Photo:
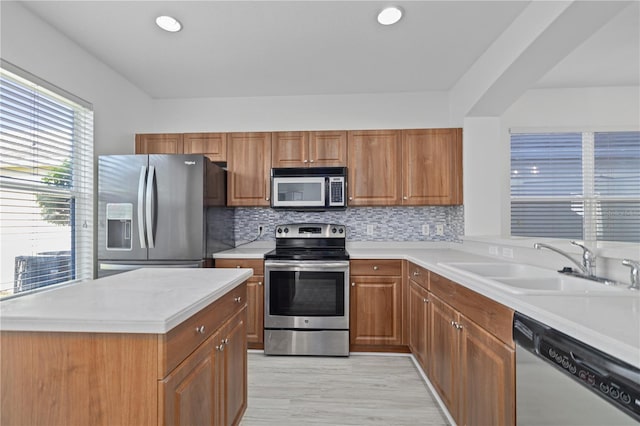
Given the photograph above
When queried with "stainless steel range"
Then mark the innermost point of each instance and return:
(307, 291)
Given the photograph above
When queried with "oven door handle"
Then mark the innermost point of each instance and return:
(317, 266)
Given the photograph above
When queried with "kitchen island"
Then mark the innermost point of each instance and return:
(147, 347)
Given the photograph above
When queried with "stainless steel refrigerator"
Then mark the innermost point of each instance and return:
(160, 211)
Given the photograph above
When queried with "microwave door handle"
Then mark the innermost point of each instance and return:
(150, 205)
(140, 208)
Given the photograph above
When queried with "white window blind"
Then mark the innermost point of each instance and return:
(576, 185)
(46, 184)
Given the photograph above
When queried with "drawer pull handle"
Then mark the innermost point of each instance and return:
(220, 348)
(237, 299)
(225, 341)
(416, 273)
(375, 268)
(200, 330)
(425, 300)
(237, 266)
(453, 323)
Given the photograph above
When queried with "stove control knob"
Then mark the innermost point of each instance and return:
(334, 230)
(286, 230)
(341, 231)
(279, 230)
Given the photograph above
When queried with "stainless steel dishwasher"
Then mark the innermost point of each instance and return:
(561, 381)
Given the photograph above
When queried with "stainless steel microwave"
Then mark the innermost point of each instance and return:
(314, 188)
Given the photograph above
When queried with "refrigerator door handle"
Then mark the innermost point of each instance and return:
(150, 204)
(140, 207)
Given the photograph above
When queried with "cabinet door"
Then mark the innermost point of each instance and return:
(249, 167)
(328, 149)
(189, 392)
(374, 159)
(255, 312)
(487, 379)
(290, 149)
(376, 310)
(418, 323)
(232, 358)
(432, 166)
(166, 143)
(443, 351)
(213, 145)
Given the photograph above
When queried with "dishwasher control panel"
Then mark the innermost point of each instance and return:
(612, 379)
(609, 384)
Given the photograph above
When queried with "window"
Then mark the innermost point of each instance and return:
(46, 184)
(582, 186)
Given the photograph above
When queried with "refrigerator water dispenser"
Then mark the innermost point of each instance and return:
(119, 220)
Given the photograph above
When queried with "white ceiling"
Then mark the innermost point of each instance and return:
(265, 48)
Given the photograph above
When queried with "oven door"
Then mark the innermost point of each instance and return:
(306, 295)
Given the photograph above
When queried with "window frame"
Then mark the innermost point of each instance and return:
(80, 192)
(589, 197)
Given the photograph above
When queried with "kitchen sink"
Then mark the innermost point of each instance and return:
(518, 278)
(502, 269)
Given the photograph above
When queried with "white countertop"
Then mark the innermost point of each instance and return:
(153, 300)
(608, 323)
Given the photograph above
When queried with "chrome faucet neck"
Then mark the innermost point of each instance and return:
(635, 273)
(587, 267)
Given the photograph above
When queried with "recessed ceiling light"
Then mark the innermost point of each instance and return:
(390, 15)
(169, 23)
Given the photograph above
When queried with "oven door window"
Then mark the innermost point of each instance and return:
(306, 294)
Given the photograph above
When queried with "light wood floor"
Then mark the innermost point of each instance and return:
(359, 390)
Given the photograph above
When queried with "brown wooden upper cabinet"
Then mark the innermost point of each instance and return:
(249, 168)
(374, 164)
(162, 143)
(432, 167)
(309, 149)
(405, 167)
(213, 145)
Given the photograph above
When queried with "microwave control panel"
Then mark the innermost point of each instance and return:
(336, 191)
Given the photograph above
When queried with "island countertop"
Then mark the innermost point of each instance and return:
(152, 300)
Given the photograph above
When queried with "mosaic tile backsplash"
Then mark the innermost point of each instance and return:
(386, 223)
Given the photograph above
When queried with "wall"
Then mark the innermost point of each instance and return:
(336, 112)
(486, 149)
(120, 108)
(389, 223)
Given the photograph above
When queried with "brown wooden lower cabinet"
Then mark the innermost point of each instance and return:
(472, 370)
(418, 319)
(376, 303)
(178, 378)
(255, 298)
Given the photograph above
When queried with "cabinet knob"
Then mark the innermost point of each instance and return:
(416, 273)
(453, 323)
(237, 266)
(305, 161)
(267, 198)
(237, 299)
(311, 161)
(350, 198)
(425, 300)
(404, 198)
(353, 284)
(200, 330)
(259, 282)
(375, 267)
(225, 341)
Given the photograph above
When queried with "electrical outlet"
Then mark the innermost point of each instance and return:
(507, 252)
(370, 229)
(440, 229)
(493, 250)
(425, 229)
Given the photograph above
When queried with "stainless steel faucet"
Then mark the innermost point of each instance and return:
(588, 265)
(635, 273)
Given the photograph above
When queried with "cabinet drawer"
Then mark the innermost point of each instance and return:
(376, 267)
(418, 274)
(256, 264)
(186, 337)
(497, 319)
